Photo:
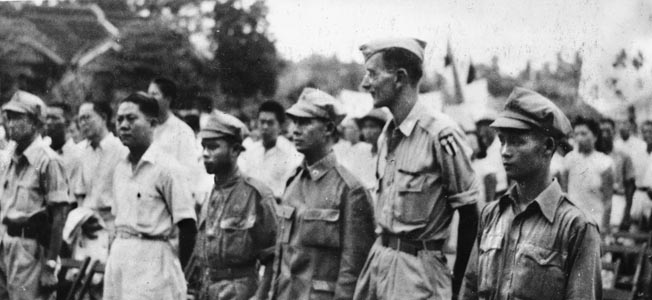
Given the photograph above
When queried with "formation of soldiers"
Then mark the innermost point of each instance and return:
(274, 219)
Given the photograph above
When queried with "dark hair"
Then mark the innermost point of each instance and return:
(275, 108)
(65, 107)
(396, 58)
(103, 108)
(146, 104)
(591, 124)
(608, 121)
(167, 87)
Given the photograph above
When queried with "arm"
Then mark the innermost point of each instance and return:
(187, 239)
(584, 278)
(490, 187)
(265, 240)
(469, 288)
(357, 236)
(467, 232)
(607, 193)
(630, 188)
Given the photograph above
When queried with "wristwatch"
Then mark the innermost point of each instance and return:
(51, 263)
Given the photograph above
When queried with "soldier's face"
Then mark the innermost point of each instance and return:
(524, 153)
(380, 82)
(134, 128)
(218, 155)
(20, 127)
(310, 134)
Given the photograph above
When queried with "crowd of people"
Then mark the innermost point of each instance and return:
(330, 207)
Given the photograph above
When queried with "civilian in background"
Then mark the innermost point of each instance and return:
(273, 158)
(588, 174)
(57, 119)
(624, 175)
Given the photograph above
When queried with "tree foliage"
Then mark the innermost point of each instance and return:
(246, 58)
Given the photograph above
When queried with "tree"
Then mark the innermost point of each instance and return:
(246, 59)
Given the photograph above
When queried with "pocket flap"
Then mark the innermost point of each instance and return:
(285, 211)
(491, 241)
(238, 223)
(323, 286)
(329, 215)
(543, 256)
(410, 181)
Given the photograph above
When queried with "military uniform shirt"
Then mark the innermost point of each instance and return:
(424, 174)
(237, 225)
(33, 179)
(153, 197)
(551, 250)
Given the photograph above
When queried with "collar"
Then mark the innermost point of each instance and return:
(547, 201)
(417, 113)
(234, 178)
(150, 156)
(320, 168)
(31, 152)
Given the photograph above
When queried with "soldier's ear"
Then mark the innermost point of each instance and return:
(402, 77)
(550, 145)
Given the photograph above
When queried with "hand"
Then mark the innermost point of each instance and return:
(48, 278)
(90, 228)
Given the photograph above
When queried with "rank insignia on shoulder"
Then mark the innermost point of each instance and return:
(448, 143)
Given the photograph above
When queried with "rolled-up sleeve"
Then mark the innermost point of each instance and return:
(56, 182)
(458, 174)
(178, 196)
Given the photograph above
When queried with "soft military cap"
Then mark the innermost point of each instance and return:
(314, 103)
(26, 103)
(528, 110)
(220, 125)
(413, 45)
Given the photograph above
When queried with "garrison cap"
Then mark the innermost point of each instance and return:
(314, 103)
(26, 103)
(413, 45)
(221, 125)
(526, 109)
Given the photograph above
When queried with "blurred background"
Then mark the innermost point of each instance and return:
(591, 57)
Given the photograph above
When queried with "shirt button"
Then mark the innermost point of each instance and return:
(315, 172)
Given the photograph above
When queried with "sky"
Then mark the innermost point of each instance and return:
(514, 30)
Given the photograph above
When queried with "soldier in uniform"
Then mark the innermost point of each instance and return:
(34, 202)
(533, 243)
(237, 225)
(151, 199)
(424, 173)
(325, 217)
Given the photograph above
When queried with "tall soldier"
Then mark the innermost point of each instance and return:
(325, 217)
(424, 175)
(34, 202)
(153, 206)
(533, 243)
(237, 223)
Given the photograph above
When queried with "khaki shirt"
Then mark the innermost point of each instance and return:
(424, 174)
(32, 180)
(237, 225)
(551, 250)
(153, 197)
(326, 230)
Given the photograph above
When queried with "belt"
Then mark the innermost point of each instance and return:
(232, 273)
(643, 189)
(137, 235)
(410, 246)
(20, 230)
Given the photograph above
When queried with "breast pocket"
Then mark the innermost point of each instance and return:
(150, 206)
(28, 198)
(236, 241)
(320, 228)
(489, 252)
(415, 201)
(285, 215)
(539, 273)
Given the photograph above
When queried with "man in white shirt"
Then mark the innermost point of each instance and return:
(642, 203)
(273, 158)
(57, 119)
(175, 137)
